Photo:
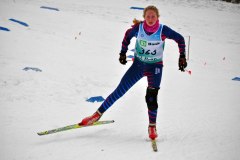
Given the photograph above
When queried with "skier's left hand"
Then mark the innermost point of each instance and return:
(182, 63)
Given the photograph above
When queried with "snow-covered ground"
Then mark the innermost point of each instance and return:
(77, 50)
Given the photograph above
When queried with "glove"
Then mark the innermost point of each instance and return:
(182, 63)
(122, 59)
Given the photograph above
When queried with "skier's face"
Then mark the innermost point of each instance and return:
(151, 17)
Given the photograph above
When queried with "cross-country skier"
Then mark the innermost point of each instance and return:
(148, 61)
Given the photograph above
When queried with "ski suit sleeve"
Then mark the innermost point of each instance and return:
(178, 38)
(130, 33)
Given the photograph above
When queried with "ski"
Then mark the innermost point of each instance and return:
(74, 126)
(154, 145)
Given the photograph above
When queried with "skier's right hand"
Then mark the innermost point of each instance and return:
(122, 59)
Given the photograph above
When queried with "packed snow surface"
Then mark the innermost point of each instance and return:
(72, 54)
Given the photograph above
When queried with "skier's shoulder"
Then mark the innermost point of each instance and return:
(169, 32)
(133, 30)
(165, 28)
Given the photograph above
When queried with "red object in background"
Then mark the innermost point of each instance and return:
(188, 71)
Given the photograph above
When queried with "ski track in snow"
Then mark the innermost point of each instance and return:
(77, 50)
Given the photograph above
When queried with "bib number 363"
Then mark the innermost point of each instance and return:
(147, 52)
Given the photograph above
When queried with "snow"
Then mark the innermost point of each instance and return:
(77, 50)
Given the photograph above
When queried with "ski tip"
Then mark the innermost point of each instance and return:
(42, 133)
(39, 134)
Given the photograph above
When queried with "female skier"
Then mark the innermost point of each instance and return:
(148, 62)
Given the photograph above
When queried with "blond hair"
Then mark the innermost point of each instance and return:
(136, 21)
(153, 8)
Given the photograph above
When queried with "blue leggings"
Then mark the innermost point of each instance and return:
(137, 71)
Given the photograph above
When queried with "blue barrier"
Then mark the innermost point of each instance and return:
(51, 8)
(4, 29)
(130, 56)
(32, 68)
(95, 99)
(133, 50)
(139, 8)
(236, 79)
(20, 22)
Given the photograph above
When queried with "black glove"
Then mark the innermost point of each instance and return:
(182, 63)
(122, 59)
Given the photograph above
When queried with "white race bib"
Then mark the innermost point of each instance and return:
(149, 48)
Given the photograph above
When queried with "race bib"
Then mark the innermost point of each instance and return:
(149, 48)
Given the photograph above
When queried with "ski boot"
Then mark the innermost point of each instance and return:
(91, 119)
(152, 131)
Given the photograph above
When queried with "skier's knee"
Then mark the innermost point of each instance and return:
(151, 98)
